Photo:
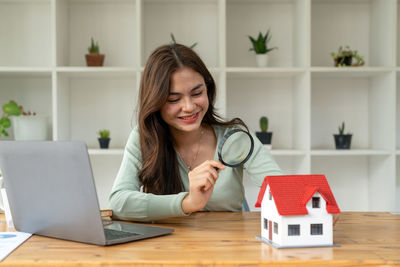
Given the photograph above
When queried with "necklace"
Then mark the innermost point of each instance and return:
(190, 164)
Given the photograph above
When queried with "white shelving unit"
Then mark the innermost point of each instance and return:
(42, 66)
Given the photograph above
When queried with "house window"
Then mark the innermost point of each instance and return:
(293, 229)
(315, 202)
(270, 195)
(265, 224)
(275, 228)
(316, 229)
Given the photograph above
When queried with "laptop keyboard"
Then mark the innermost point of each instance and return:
(115, 234)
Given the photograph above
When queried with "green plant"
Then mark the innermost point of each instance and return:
(344, 53)
(9, 109)
(94, 48)
(264, 124)
(341, 129)
(260, 46)
(174, 41)
(104, 133)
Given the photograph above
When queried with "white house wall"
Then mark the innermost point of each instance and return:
(315, 215)
(269, 211)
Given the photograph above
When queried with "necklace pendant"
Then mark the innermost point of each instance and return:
(197, 151)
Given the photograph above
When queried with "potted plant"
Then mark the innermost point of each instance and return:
(104, 139)
(260, 47)
(264, 136)
(174, 41)
(9, 109)
(344, 57)
(342, 141)
(29, 126)
(94, 58)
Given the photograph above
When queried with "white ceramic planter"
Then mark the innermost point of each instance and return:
(30, 127)
(262, 60)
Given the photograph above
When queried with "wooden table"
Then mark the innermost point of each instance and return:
(223, 239)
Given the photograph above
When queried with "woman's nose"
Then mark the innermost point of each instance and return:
(188, 104)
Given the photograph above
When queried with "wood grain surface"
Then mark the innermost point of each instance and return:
(223, 239)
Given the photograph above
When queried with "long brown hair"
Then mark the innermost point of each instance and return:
(159, 173)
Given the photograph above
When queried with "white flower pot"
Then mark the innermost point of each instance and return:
(262, 60)
(30, 127)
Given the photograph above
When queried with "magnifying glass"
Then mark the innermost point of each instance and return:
(235, 148)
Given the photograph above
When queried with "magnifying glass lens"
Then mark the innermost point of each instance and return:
(236, 149)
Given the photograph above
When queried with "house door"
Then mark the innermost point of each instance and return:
(270, 229)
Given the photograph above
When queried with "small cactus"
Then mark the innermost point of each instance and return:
(94, 48)
(264, 124)
(341, 129)
(104, 133)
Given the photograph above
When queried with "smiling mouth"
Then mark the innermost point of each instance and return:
(189, 117)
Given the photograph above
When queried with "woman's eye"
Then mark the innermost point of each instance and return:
(173, 100)
(197, 94)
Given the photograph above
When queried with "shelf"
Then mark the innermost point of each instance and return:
(349, 72)
(372, 20)
(284, 100)
(351, 152)
(285, 19)
(250, 72)
(334, 100)
(359, 183)
(105, 72)
(190, 22)
(106, 152)
(111, 23)
(287, 152)
(87, 104)
(42, 67)
(397, 111)
(25, 72)
(32, 90)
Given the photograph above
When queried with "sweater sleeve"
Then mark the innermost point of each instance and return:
(261, 163)
(126, 200)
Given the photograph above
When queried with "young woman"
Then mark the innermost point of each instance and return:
(170, 165)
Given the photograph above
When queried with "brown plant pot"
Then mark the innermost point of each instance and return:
(94, 60)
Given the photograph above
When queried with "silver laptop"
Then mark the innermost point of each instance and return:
(51, 192)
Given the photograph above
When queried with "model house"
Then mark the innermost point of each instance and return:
(296, 211)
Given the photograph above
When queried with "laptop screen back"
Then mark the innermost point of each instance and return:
(49, 190)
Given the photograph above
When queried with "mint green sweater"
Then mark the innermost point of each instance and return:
(128, 203)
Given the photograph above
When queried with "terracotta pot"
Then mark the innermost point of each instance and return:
(94, 60)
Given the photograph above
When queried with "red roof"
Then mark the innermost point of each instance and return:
(292, 192)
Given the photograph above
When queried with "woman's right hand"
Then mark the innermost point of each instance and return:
(201, 182)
